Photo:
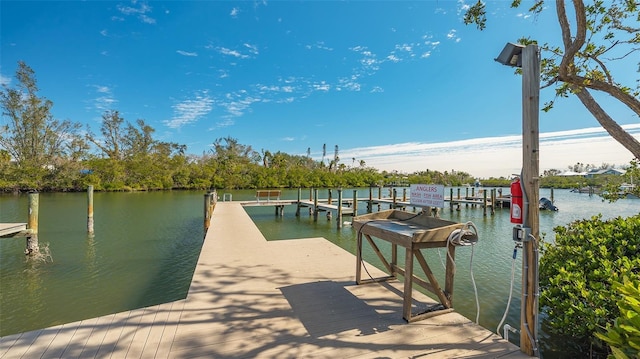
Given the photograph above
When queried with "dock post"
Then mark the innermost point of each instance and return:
(404, 195)
(311, 194)
(451, 199)
(379, 196)
(315, 205)
(90, 210)
(207, 200)
(395, 194)
(370, 204)
(339, 219)
(552, 200)
(493, 201)
(473, 194)
(299, 199)
(329, 199)
(355, 202)
(484, 203)
(32, 225)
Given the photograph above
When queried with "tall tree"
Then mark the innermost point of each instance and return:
(603, 33)
(29, 132)
(112, 132)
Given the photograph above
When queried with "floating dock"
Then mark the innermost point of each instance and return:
(252, 298)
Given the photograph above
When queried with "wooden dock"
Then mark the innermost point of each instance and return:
(11, 229)
(250, 298)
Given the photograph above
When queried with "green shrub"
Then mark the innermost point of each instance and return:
(577, 274)
(624, 334)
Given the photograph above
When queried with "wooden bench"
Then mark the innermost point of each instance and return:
(269, 195)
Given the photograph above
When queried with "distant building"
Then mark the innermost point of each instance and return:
(601, 172)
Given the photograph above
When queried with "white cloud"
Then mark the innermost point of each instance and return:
(139, 9)
(234, 12)
(498, 156)
(321, 86)
(452, 35)
(105, 100)
(146, 19)
(190, 110)
(237, 103)
(185, 53)
(393, 58)
(5, 80)
(319, 45)
(234, 53)
(252, 48)
(221, 124)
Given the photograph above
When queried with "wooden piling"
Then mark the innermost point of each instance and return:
(315, 205)
(207, 214)
(355, 202)
(484, 203)
(299, 200)
(451, 199)
(90, 210)
(493, 201)
(339, 219)
(394, 198)
(370, 204)
(210, 200)
(32, 225)
(552, 200)
(329, 200)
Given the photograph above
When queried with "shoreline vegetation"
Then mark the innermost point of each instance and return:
(41, 153)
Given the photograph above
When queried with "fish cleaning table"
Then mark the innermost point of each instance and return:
(413, 232)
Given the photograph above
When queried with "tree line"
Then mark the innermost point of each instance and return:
(40, 152)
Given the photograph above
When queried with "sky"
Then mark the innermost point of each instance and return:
(401, 85)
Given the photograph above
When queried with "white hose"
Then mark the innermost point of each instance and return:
(465, 237)
(513, 271)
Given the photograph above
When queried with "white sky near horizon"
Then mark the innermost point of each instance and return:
(500, 156)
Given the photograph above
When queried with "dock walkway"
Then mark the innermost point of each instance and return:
(250, 298)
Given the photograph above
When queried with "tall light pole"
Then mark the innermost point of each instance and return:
(528, 58)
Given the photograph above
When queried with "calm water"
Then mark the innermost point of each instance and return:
(143, 253)
(146, 246)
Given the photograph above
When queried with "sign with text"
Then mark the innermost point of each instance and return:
(431, 195)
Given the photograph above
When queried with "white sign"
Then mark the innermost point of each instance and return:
(431, 195)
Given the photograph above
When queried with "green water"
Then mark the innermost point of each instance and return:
(143, 253)
(146, 246)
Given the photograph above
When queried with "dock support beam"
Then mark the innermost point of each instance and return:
(32, 225)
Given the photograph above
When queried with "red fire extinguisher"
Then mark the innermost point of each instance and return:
(516, 202)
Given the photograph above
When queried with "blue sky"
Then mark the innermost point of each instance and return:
(402, 85)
